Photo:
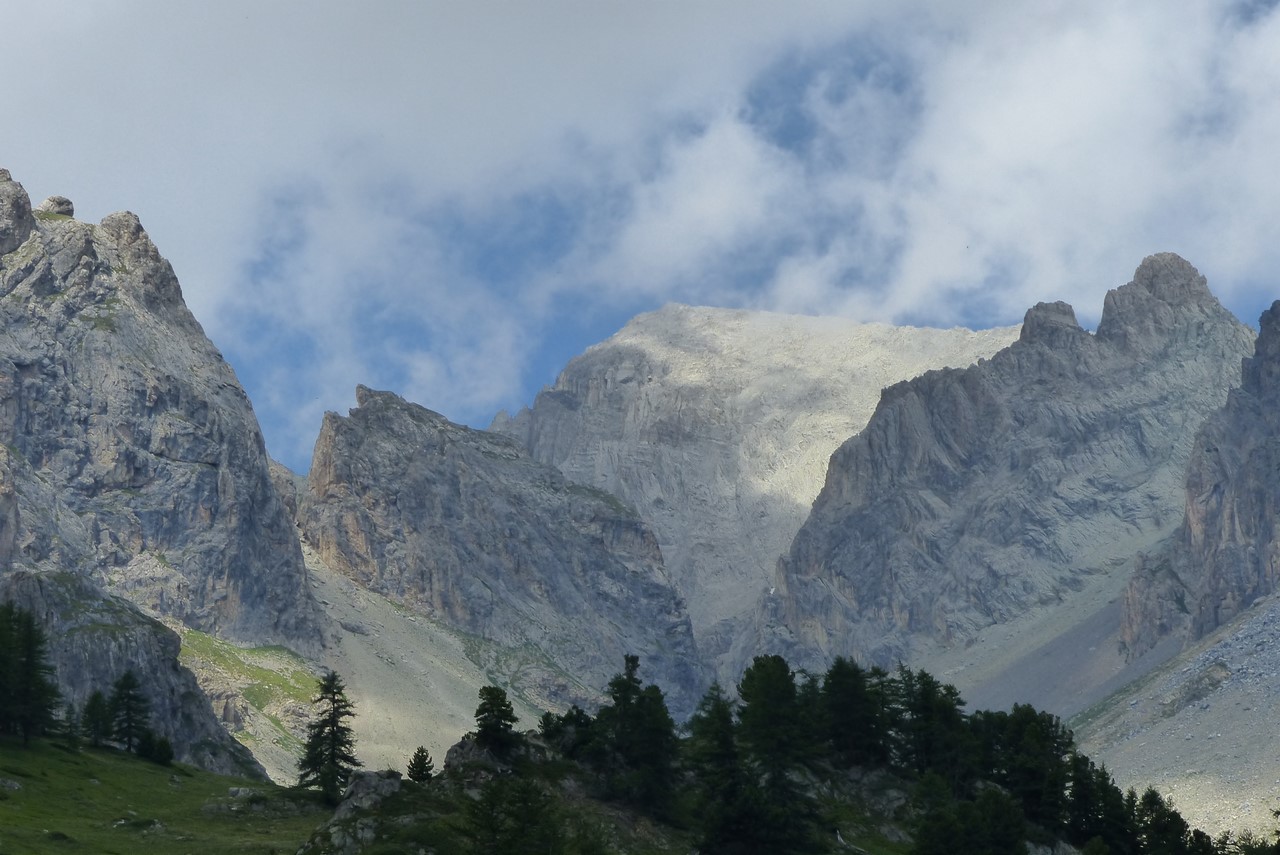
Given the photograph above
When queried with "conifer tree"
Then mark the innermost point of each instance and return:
(28, 694)
(635, 742)
(129, 711)
(420, 766)
(495, 722)
(328, 757)
(96, 718)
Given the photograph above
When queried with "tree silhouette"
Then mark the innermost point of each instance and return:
(420, 766)
(96, 718)
(129, 711)
(328, 757)
(495, 722)
(635, 742)
(28, 694)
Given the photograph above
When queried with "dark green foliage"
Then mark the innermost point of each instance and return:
(420, 766)
(633, 741)
(991, 824)
(495, 722)
(932, 731)
(570, 734)
(155, 748)
(328, 757)
(129, 711)
(772, 732)
(514, 816)
(724, 796)
(28, 694)
(1028, 753)
(1161, 828)
(856, 714)
(96, 719)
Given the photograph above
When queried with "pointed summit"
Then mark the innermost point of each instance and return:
(1168, 301)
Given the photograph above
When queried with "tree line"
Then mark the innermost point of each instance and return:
(30, 702)
(755, 772)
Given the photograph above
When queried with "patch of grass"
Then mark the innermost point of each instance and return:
(103, 323)
(273, 673)
(104, 801)
(49, 216)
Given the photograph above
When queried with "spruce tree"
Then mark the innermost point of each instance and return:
(495, 722)
(129, 711)
(96, 718)
(28, 694)
(328, 757)
(420, 766)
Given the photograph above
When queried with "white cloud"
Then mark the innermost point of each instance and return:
(420, 195)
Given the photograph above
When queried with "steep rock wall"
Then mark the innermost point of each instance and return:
(114, 398)
(974, 494)
(1226, 554)
(717, 426)
(464, 527)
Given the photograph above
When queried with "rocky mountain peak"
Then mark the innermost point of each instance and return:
(464, 528)
(975, 495)
(1168, 300)
(1047, 323)
(16, 219)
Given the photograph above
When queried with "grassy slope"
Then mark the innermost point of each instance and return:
(103, 801)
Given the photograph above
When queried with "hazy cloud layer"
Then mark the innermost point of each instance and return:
(450, 199)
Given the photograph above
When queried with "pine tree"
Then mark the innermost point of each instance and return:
(28, 694)
(635, 743)
(495, 722)
(96, 718)
(420, 766)
(129, 711)
(328, 757)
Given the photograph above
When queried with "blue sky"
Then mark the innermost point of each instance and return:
(450, 200)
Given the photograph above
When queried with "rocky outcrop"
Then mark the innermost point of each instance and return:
(133, 478)
(1226, 554)
(974, 494)
(93, 638)
(123, 413)
(464, 527)
(717, 426)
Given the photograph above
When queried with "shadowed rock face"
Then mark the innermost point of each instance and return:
(112, 395)
(131, 464)
(464, 527)
(717, 426)
(1226, 553)
(975, 494)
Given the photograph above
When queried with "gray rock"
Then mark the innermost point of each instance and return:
(464, 527)
(716, 425)
(1226, 554)
(366, 790)
(111, 394)
(131, 464)
(94, 637)
(16, 219)
(973, 495)
(59, 205)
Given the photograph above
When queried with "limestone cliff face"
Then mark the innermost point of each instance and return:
(1226, 554)
(717, 425)
(463, 526)
(114, 398)
(132, 473)
(974, 494)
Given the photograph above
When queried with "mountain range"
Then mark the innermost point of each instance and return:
(1084, 520)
